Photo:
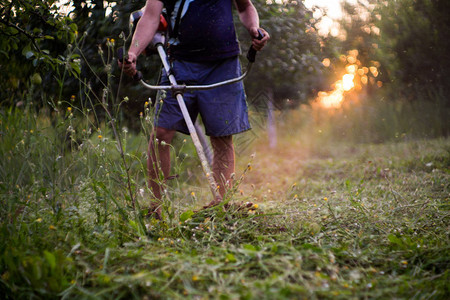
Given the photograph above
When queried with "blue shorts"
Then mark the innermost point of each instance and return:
(223, 109)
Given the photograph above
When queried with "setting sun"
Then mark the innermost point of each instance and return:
(354, 78)
(347, 82)
(334, 98)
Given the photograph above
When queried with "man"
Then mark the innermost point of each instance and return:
(203, 49)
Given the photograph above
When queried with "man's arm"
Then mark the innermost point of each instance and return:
(250, 19)
(143, 35)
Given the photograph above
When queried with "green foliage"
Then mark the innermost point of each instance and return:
(35, 40)
(360, 33)
(414, 48)
(408, 38)
(38, 39)
(47, 273)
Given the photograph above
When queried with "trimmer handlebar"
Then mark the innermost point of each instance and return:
(158, 43)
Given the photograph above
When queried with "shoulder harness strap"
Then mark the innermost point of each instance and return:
(173, 32)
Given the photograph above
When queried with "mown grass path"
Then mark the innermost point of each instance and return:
(389, 203)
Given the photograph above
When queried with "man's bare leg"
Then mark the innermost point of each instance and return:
(223, 163)
(156, 162)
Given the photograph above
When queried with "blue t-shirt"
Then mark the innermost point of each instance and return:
(205, 32)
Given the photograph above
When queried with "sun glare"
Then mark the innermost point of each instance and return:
(332, 99)
(347, 82)
(355, 77)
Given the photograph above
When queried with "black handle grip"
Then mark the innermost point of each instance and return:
(251, 54)
(120, 54)
(124, 60)
(138, 76)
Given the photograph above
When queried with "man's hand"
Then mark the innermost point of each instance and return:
(145, 30)
(258, 44)
(250, 19)
(128, 64)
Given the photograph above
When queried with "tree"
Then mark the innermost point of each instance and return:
(34, 38)
(358, 46)
(415, 48)
(290, 66)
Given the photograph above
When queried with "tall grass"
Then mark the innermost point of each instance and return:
(369, 120)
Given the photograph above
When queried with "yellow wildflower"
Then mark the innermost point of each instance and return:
(51, 227)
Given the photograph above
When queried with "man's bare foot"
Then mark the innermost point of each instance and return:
(212, 203)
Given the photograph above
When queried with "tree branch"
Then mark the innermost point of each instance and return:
(31, 37)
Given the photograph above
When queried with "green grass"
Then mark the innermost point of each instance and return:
(353, 221)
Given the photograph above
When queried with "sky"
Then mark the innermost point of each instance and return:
(333, 12)
(333, 7)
